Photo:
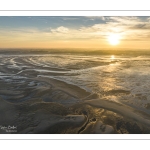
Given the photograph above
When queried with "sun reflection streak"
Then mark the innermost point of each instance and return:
(112, 57)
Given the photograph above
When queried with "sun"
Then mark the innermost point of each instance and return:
(114, 39)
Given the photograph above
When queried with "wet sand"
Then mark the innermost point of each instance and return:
(67, 112)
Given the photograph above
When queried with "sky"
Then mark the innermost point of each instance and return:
(104, 32)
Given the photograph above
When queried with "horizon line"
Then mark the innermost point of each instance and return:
(112, 48)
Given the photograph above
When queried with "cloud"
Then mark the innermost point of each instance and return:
(148, 19)
(129, 22)
(124, 20)
(129, 28)
(60, 29)
(96, 17)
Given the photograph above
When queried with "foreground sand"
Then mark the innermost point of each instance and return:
(71, 110)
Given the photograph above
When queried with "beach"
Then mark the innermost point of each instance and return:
(56, 92)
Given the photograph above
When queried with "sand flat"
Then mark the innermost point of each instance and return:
(69, 93)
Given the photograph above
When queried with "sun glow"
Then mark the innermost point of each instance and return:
(112, 57)
(114, 39)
